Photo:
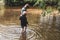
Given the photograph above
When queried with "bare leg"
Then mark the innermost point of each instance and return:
(22, 30)
(23, 35)
(25, 29)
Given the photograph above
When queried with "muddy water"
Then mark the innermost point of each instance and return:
(14, 33)
(48, 28)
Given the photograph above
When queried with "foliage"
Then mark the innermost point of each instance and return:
(44, 3)
(41, 3)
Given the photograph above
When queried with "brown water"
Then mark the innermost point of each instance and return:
(44, 28)
(13, 32)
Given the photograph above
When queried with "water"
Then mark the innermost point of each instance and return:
(14, 33)
(48, 29)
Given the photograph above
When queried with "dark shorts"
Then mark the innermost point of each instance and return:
(24, 21)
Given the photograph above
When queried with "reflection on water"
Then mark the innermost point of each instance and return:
(23, 36)
(50, 27)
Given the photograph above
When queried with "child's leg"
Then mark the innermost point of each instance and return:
(25, 28)
(22, 29)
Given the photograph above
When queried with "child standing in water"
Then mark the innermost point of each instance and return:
(23, 18)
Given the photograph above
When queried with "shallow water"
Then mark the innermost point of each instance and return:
(14, 33)
(49, 29)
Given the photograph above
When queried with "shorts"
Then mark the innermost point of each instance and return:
(23, 22)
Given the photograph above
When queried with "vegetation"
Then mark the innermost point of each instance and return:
(40, 3)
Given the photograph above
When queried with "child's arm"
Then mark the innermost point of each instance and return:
(23, 13)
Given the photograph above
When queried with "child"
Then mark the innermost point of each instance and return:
(23, 18)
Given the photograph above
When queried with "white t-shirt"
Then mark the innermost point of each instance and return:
(23, 11)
